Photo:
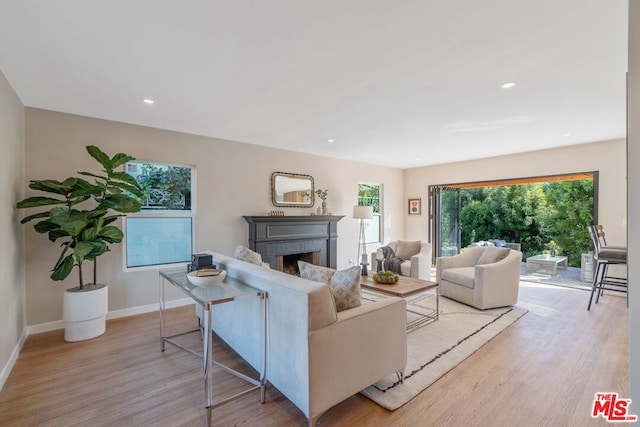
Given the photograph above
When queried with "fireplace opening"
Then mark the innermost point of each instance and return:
(289, 263)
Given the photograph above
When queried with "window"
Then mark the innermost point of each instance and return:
(162, 232)
(371, 195)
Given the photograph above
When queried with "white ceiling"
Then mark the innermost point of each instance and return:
(390, 81)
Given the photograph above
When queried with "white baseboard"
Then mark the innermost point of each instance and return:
(132, 311)
(59, 324)
(12, 359)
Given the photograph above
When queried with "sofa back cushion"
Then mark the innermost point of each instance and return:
(344, 284)
(492, 254)
(407, 249)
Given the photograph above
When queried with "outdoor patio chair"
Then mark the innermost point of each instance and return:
(604, 257)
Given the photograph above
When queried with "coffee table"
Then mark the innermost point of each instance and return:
(412, 290)
(546, 264)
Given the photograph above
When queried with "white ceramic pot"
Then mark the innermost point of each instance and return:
(85, 313)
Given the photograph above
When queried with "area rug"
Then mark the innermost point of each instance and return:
(436, 348)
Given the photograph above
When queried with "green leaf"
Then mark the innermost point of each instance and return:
(81, 250)
(129, 188)
(89, 233)
(102, 177)
(98, 248)
(121, 203)
(53, 186)
(35, 216)
(110, 219)
(45, 226)
(100, 156)
(123, 176)
(33, 202)
(62, 269)
(71, 221)
(120, 159)
(111, 234)
(56, 234)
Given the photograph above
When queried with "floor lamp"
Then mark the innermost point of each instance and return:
(362, 213)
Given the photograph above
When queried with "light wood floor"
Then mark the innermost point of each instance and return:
(542, 371)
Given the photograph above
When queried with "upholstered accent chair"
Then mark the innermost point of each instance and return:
(417, 256)
(481, 276)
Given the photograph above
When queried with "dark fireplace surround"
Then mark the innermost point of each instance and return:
(283, 240)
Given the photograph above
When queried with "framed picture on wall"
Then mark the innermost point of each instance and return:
(415, 206)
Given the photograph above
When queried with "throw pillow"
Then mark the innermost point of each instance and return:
(492, 254)
(407, 249)
(344, 284)
(243, 253)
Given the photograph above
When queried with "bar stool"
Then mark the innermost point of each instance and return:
(605, 256)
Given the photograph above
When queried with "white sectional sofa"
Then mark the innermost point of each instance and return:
(315, 356)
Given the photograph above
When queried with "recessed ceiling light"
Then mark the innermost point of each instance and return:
(331, 140)
(508, 85)
(148, 101)
(418, 159)
(566, 134)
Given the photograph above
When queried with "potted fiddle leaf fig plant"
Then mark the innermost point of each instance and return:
(81, 214)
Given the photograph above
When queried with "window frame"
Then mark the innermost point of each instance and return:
(164, 213)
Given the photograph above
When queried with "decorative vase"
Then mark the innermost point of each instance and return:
(324, 207)
(85, 313)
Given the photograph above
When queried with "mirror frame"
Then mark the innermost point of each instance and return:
(274, 190)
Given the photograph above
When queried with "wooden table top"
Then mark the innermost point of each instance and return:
(404, 287)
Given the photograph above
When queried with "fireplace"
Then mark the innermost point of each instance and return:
(284, 240)
(289, 263)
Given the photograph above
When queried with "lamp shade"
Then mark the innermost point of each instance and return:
(363, 212)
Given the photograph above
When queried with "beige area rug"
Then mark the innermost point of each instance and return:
(436, 348)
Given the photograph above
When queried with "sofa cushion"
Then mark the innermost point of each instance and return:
(407, 249)
(243, 253)
(344, 284)
(492, 254)
(462, 276)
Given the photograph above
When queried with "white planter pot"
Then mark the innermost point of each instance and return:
(85, 314)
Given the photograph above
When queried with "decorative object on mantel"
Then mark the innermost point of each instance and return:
(276, 213)
(362, 213)
(415, 206)
(323, 195)
(292, 190)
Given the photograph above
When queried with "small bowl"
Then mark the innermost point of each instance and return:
(386, 280)
(208, 276)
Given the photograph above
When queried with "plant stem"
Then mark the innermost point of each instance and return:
(80, 275)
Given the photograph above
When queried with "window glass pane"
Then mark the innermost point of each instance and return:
(369, 195)
(157, 240)
(372, 229)
(166, 187)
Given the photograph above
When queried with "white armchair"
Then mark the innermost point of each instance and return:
(417, 255)
(483, 277)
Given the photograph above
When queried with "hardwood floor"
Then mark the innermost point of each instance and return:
(542, 371)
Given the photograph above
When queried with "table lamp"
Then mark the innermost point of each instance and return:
(362, 213)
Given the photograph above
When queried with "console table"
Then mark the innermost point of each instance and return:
(206, 297)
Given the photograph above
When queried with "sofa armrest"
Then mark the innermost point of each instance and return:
(421, 263)
(366, 344)
(501, 278)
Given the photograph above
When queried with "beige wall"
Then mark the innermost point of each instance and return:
(12, 282)
(633, 159)
(606, 157)
(233, 179)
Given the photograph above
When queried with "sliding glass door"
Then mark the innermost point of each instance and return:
(444, 220)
